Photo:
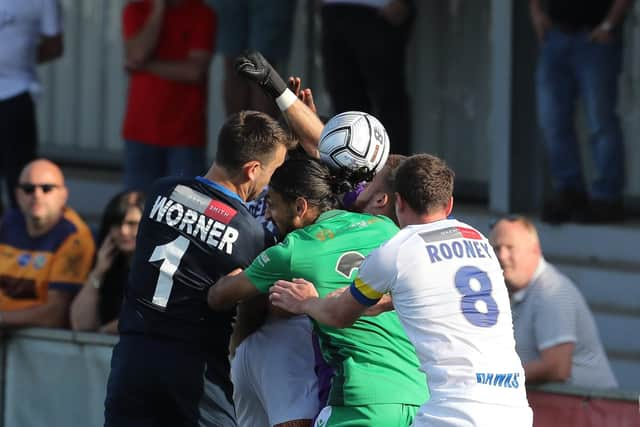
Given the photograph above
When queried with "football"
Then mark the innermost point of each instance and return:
(352, 140)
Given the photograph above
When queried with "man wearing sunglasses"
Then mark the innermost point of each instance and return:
(46, 251)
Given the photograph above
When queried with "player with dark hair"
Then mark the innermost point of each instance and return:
(377, 380)
(449, 292)
(171, 365)
(378, 197)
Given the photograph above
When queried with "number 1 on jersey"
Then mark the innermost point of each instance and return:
(170, 254)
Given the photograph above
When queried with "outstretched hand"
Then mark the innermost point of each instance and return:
(304, 95)
(291, 296)
(253, 66)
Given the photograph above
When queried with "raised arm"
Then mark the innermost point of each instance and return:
(84, 308)
(302, 120)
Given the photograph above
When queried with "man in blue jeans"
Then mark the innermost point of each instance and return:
(581, 57)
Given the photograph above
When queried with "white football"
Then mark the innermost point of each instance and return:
(354, 139)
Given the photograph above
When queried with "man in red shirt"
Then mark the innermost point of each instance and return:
(168, 49)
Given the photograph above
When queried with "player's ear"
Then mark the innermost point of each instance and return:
(381, 200)
(250, 170)
(301, 206)
(450, 206)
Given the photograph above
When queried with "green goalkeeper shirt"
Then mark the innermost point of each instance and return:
(374, 361)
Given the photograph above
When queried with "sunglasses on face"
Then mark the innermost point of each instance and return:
(28, 188)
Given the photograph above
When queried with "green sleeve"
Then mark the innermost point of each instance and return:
(272, 264)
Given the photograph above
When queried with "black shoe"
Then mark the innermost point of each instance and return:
(602, 211)
(564, 206)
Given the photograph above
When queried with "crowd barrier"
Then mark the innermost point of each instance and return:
(58, 378)
(564, 406)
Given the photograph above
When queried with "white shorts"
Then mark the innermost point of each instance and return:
(273, 374)
(465, 413)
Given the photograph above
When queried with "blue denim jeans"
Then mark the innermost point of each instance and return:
(144, 163)
(570, 67)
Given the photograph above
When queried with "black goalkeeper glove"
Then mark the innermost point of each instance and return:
(253, 66)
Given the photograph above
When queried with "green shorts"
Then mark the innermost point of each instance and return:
(387, 415)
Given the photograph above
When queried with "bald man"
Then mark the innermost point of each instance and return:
(556, 335)
(46, 251)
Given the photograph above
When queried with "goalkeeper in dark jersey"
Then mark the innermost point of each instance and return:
(171, 366)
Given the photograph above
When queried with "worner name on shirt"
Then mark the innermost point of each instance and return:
(213, 232)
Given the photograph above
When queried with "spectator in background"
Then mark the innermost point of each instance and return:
(556, 335)
(364, 47)
(47, 251)
(97, 306)
(581, 57)
(251, 25)
(168, 47)
(30, 34)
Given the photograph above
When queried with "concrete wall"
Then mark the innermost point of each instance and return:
(59, 378)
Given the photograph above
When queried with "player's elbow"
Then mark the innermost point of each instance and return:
(342, 320)
(340, 324)
(135, 56)
(216, 300)
(196, 73)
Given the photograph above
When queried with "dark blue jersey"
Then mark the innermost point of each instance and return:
(192, 232)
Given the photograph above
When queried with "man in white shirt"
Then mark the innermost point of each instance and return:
(556, 334)
(447, 287)
(30, 34)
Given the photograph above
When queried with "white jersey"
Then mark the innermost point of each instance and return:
(449, 293)
(273, 374)
(22, 23)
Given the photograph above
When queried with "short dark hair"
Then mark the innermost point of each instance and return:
(302, 176)
(247, 136)
(387, 172)
(425, 182)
